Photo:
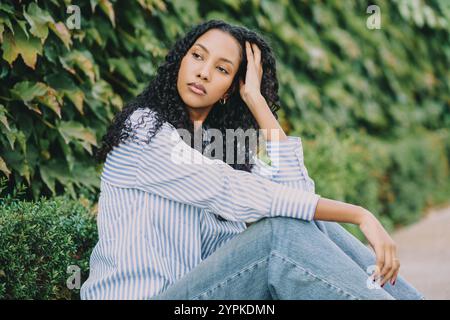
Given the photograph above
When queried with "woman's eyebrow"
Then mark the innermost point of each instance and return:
(204, 48)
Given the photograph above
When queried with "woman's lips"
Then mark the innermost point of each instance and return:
(196, 90)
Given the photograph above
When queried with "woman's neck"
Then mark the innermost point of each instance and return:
(198, 116)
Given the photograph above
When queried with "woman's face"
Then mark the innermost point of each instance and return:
(212, 61)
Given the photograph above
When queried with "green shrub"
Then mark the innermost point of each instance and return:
(39, 241)
(418, 171)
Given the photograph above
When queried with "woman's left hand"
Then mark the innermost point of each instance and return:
(251, 89)
(387, 262)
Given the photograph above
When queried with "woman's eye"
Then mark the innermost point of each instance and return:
(195, 55)
(225, 71)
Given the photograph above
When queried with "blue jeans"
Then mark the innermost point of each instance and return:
(281, 258)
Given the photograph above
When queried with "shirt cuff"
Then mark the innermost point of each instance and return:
(294, 203)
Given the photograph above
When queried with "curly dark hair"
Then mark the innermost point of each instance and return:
(162, 96)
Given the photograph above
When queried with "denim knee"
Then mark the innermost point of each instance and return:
(282, 234)
(290, 236)
(287, 229)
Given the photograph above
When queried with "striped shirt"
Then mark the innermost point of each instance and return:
(159, 216)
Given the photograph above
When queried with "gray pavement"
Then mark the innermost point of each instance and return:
(424, 253)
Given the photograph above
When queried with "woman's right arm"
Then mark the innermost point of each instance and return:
(170, 168)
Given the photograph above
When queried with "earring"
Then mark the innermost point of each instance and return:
(224, 101)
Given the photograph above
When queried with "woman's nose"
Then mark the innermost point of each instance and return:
(204, 72)
(204, 75)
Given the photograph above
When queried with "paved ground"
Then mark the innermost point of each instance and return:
(424, 252)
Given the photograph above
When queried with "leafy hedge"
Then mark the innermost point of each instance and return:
(39, 241)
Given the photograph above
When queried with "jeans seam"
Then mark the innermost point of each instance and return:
(231, 277)
(338, 289)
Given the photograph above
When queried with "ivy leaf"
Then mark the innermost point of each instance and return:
(86, 176)
(123, 68)
(4, 20)
(62, 32)
(77, 97)
(107, 8)
(50, 99)
(94, 34)
(64, 85)
(56, 170)
(19, 44)
(86, 146)
(27, 90)
(10, 50)
(18, 163)
(23, 26)
(102, 91)
(3, 167)
(94, 4)
(72, 130)
(150, 5)
(68, 154)
(39, 92)
(39, 21)
(81, 59)
(117, 102)
(48, 176)
(22, 141)
(145, 66)
(3, 118)
(2, 28)
(6, 8)
(10, 135)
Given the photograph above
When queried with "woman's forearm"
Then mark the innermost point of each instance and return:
(268, 124)
(334, 210)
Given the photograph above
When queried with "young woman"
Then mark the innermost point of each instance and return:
(173, 228)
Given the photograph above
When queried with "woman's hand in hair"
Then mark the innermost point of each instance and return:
(251, 89)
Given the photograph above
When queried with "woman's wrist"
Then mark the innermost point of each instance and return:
(367, 218)
(361, 215)
(254, 100)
